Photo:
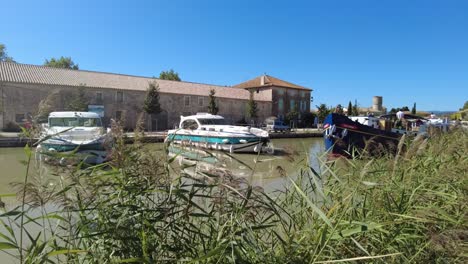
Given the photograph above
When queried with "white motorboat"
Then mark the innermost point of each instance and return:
(80, 132)
(211, 132)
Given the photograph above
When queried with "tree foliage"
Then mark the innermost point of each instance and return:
(79, 101)
(465, 106)
(4, 55)
(292, 116)
(212, 107)
(63, 62)
(355, 109)
(322, 112)
(47, 105)
(169, 75)
(151, 104)
(394, 110)
(339, 109)
(350, 109)
(252, 108)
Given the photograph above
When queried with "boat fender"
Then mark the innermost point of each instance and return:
(344, 133)
(225, 141)
(231, 149)
(243, 141)
(256, 148)
(330, 131)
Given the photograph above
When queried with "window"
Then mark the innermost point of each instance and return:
(74, 121)
(190, 124)
(280, 91)
(292, 104)
(187, 100)
(19, 118)
(212, 121)
(99, 96)
(119, 97)
(118, 115)
(302, 94)
(280, 105)
(304, 105)
(200, 101)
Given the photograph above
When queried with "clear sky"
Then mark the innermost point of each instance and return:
(406, 51)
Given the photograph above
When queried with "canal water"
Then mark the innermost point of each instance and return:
(267, 171)
(261, 170)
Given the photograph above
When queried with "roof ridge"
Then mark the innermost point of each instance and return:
(109, 73)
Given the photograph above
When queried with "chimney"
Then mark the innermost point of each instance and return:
(262, 80)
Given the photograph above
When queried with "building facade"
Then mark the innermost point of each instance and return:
(23, 88)
(285, 96)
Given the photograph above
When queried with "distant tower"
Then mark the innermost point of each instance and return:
(377, 103)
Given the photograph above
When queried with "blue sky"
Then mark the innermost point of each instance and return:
(405, 51)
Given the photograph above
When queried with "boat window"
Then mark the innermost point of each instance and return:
(190, 124)
(212, 121)
(74, 121)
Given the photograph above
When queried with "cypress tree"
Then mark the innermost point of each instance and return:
(350, 109)
(151, 104)
(212, 107)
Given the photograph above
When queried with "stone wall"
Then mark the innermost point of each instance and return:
(282, 99)
(23, 99)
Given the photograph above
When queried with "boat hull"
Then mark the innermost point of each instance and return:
(344, 137)
(231, 144)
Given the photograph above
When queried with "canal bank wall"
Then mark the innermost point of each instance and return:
(10, 140)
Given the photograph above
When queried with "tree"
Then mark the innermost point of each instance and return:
(63, 62)
(465, 106)
(252, 108)
(292, 116)
(322, 112)
(413, 110)
(355, 108)
(47, 105)
(339, 109)
(151, 104)
(308, 119)
(4, 55)
(169, 75)
(212, 107)
(79, 101)
(350, 109)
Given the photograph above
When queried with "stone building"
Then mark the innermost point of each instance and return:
(285, 96)
(119, 96)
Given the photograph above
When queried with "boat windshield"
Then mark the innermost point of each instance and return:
(212, 121)
(74, 121)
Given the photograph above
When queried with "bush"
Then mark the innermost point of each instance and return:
(408, 208)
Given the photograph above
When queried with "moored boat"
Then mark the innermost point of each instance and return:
(211, 132)
(375, 136)
(79, 132)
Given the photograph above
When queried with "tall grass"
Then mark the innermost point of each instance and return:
(138, 208)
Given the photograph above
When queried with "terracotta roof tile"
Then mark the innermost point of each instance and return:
(268, 81)
(25, 73)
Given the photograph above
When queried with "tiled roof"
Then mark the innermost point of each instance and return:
(34, 74)
(268, 81)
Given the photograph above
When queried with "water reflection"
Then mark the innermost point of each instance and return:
(268, 171)
(263, 170)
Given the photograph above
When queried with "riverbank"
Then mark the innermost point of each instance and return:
(10, 140)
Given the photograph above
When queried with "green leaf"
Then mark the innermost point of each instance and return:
(8, 195)
(130, 260)
(5, 245)
(66, 251)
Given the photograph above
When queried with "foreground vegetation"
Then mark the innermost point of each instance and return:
(405, 209)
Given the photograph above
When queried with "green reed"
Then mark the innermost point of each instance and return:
(408, 208)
